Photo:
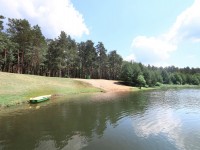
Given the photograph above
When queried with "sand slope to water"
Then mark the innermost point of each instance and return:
(106, 85)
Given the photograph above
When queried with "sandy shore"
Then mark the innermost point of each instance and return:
(106, 85)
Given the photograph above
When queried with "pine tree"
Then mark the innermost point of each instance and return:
(102, 60)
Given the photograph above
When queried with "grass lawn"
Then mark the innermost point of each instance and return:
(18, 88)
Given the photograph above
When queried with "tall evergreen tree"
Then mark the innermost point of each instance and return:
(115, 64)
(50, 62)
(61, 52)
(81, 58)
(71, 57)
(87, 55)
(35, 56)
(102, 60)
(7, 49)
(20, 32)
(2, 41)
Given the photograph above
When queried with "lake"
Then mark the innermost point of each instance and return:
(151, 120)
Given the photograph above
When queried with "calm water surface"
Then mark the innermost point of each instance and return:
(155, 120)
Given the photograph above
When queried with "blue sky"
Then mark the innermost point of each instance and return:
(156, 32)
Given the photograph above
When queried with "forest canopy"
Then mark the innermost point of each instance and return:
(25, 50)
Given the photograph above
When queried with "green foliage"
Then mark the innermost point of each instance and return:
(102, 60)
(141, 81)
(87, 58)
(183, 77)
(1, 22)
(158, 84)
(157, 76)
(24, 49)
(195, 80)
(165, 76)
(178, 78)
(127, 72)
(136, 72)
(115, 64)
(31, 46)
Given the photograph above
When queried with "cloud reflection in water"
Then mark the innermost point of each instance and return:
(165, 123)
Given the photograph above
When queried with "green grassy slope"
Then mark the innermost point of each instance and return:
(18, 88)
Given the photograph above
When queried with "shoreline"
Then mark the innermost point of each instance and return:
(16, 89)
(108, 85)
(98, 86)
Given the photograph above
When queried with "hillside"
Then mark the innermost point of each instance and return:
(18, 88)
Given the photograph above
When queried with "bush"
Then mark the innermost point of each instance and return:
(158, 84)
(141, 81)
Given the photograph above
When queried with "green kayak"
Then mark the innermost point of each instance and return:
(39, 99)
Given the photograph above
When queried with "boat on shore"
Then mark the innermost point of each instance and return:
(39, 99)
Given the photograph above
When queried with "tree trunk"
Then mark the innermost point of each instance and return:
(22, 63)
(60, 73)
(5, 60)
(18, 62)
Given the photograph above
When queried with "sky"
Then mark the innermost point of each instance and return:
(155, 32)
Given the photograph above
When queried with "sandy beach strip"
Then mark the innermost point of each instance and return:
(106, 85)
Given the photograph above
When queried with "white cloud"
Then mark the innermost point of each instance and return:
(152, 48)
(130, 58)
(186, 25)
(52, 16)
(157, 49)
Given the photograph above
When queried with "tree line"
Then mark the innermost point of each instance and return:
(25, 50)
(137, 74)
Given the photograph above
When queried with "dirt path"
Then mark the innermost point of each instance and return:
(106, 85)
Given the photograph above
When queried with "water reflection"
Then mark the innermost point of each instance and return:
(76, 142)
(167, 114)
(60, 124)
(164, 122)
(140, 121)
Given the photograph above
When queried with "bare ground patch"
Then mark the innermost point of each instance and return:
(107, 85)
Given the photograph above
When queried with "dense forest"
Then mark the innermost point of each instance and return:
(25, 50)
